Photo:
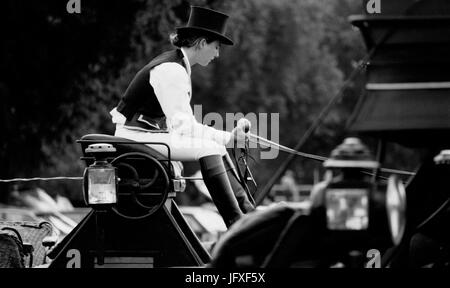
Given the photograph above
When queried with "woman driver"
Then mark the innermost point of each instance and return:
(156, 108)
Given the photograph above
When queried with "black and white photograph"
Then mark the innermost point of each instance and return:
(225, 142)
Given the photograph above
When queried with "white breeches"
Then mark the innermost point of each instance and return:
(182, 148)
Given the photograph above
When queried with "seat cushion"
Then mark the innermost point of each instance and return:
(177, 166)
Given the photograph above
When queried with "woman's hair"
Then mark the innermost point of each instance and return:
(188, 39)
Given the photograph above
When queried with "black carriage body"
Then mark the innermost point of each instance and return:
(406, 100)
(144, 229)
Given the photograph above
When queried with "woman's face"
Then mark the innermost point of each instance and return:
(207, 52)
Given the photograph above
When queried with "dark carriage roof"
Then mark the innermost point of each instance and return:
(407, 93)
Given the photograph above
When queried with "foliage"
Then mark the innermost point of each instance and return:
(58, 71)
(288, 61)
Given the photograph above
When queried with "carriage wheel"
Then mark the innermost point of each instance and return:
(143, 185)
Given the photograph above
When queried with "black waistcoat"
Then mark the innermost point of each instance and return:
(140, 98)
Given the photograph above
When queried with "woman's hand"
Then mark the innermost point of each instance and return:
(240, 133)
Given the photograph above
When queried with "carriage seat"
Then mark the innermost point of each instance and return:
(177, 166)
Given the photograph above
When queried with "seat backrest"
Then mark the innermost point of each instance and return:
(121, 148)
(129, 147)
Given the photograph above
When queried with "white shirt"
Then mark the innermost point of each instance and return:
(172, 85)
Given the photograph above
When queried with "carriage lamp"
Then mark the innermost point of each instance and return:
(100, 178)
(348, 195)
(354, 203)
(377, 209)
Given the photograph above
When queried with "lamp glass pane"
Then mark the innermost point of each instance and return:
(347, 209)
(102, 186)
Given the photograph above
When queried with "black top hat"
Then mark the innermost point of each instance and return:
(208, 22)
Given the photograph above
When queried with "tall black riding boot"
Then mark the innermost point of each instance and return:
(241, 195)
(219, 187)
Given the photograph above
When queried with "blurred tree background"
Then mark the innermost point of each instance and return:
(61, 74)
